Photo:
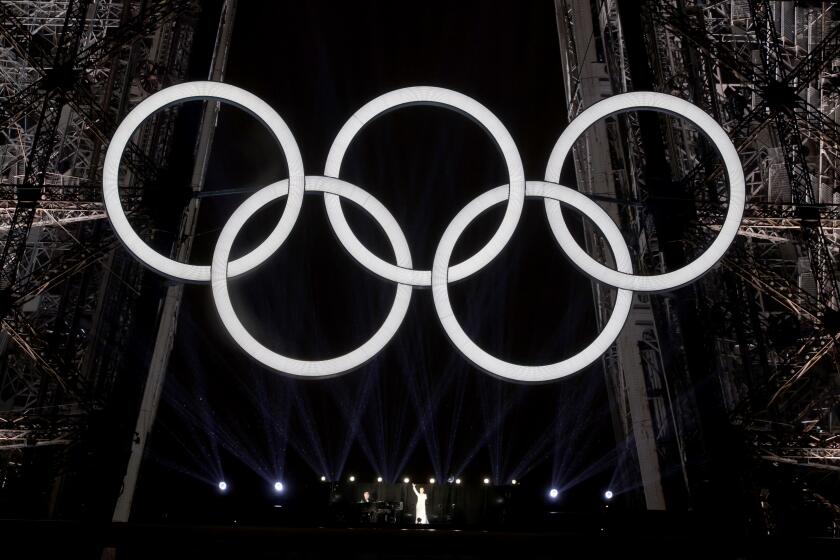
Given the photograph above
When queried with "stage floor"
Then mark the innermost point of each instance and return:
(67, 539)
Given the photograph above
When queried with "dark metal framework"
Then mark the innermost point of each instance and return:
(768, 72)
(783, 114)
(69, 72)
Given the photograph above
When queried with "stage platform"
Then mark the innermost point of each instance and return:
(68, 539)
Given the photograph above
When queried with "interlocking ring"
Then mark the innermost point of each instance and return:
(308, 368)
(737, 192)
(489, 363)
(402, 272)
(450, 100)
(186, 92)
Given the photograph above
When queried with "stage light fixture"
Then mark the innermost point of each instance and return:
(553, 493)
(278, 486)
(608, 495)
(431, 481)
(406, 480)
(513, 482)
(457, 481)
(352, 478)
(323, 479)
(223, 486)
(378, 479)
(486, 481)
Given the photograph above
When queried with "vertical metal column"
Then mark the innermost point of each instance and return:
(636, 355)
(172, 301)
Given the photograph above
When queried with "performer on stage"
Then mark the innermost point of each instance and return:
(367, 509)
(420, 509)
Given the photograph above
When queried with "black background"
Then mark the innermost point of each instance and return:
(419, 408)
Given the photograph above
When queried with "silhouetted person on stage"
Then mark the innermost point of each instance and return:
(420, 509)
(367, 508)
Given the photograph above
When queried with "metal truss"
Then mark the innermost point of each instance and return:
(827, 453)
(69, 71)
(816, 448)
(706, 52)
(769, 73)
(782, 113)
(641, 394)
(766, 71)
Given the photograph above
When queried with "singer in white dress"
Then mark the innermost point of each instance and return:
(420, 509)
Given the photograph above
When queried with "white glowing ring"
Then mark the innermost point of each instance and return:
(186, 92)
(284, 364)
(443, 98)
(668, 104)
(402, 272)
(491, 364)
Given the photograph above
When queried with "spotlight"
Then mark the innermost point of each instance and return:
(406, 480)
(223, 486)
(486, 481)
(431, 481)
(608, 495)
(553, 493)
(323, 479)
(457, 481)
(352, 478)
(378, 479)
(278, 486)
(451, 479)
(513, 482)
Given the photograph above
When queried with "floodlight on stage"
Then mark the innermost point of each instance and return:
(486, 481)
(553, 493)
(608, 495)
(278, 486)
(513, 482)
(457, 481)
(431, 481)
(406, 480)
(378, 479)
(352, 478)
(323, 479)
(223, 486)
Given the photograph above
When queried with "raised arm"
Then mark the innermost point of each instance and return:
(414, 487)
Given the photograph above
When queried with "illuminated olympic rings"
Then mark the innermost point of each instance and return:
(402, 272)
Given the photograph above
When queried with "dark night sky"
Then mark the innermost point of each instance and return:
(418, 408)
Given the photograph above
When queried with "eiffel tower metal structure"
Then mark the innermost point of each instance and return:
(69, 72)
(766, 357)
